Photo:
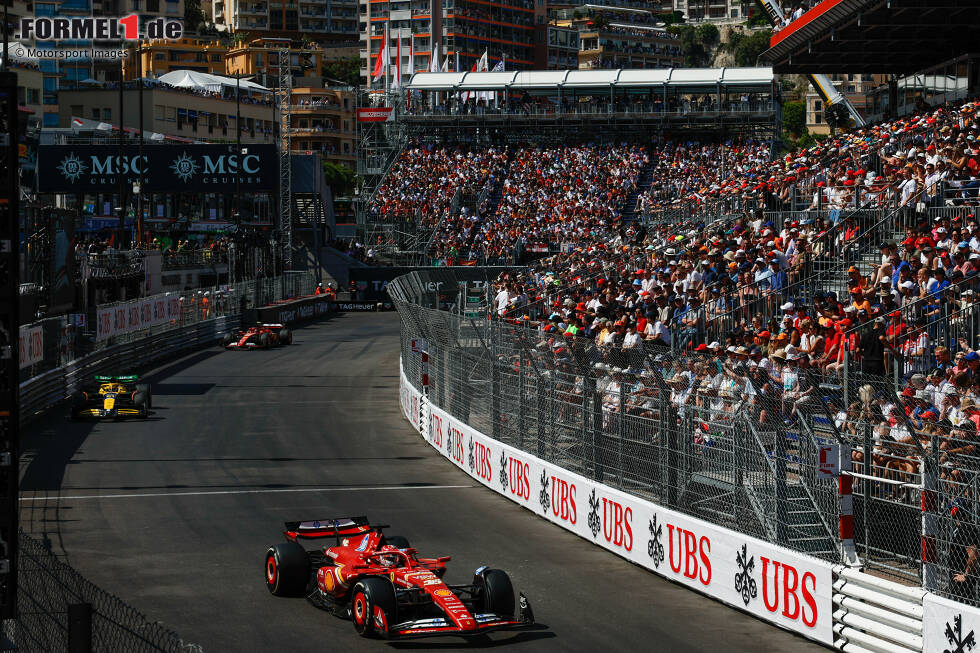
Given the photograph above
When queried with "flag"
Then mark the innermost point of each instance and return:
(499, 68)
(396, 80)
(456, 69)
(381, 61)
(445, 64)
(434, 59)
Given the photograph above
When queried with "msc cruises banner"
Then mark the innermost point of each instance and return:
(165, 168)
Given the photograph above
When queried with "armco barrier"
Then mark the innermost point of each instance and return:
(778, 585)
(48, 389)
(874, 614)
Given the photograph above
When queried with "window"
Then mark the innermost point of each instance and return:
(158, 112)
(107, 114)
(51, 120)
(159, 56)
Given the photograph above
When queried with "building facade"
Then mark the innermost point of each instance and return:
(175, 112)
(259, 58)
(321, 20)
(322, 120)
(203, 54)
(715, 10)
(462, 29)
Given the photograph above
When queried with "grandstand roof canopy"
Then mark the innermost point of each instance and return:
(592, 79)
(876, 36)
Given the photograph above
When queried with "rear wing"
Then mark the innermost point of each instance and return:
(124, 378)
(273, 326)
(335, 527)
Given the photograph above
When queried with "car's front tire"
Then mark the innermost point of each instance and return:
(497, 592)
(287, 569)
(373, 606)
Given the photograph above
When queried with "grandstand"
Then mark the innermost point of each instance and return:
(831, 288)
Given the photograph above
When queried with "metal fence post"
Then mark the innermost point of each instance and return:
(522, 363)
(494, 388)
(80, 628)
(621, 432)
(866, 510)
(673, 457)
(779, 462)
(930, 505)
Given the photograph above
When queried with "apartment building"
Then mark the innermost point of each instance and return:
(322, 20)
(322, 120)
(175, 112)
(463, 30)
(203, 54)
(714, 10)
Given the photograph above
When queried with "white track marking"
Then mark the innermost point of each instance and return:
(217, 492)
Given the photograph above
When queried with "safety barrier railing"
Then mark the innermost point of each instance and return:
(71, 353)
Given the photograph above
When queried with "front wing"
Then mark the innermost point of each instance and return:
(485, 623)
(440, 626)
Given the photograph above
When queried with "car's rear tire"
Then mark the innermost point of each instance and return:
(287, 569)
(373, 606)
(497, 592)
(285, 337)
(399, 541)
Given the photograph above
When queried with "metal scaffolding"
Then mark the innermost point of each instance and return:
(285, 168)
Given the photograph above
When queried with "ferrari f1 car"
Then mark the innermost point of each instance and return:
(261, 336)
(112, 397)
(380, 584)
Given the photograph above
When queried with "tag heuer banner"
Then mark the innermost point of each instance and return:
(165, 168)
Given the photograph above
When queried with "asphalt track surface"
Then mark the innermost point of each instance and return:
(174, 514)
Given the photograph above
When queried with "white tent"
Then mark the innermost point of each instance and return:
(207, 82)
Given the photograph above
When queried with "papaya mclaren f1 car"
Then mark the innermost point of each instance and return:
(112, 397)
(261, 336)
(379, 583)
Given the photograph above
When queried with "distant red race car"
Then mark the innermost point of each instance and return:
(261, 336)
(380, 584)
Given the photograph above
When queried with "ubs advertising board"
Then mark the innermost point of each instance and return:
(164, 168)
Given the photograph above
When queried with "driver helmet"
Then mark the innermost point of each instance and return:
(389, 560)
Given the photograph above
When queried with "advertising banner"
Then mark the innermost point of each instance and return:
(376, 114)
(31, 345)
(185, 168)
(949, 625)
(770, 582)
(136, 315)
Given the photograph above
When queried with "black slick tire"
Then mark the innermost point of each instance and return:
(497, 592)
(287, 569)
(373, 606)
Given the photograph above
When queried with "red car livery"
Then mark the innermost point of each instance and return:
(381, 584)
(261, 336)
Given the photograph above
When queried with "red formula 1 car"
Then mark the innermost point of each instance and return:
(261, 336)
(380, 584)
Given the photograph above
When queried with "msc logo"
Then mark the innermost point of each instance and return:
(71, 168)
(185, 167)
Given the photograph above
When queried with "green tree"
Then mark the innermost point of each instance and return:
(673, 18)
(346, 72)
(794, 119)
(194, 16)
(341, 179)
(749, 48)
(708, 34)
(695, 53)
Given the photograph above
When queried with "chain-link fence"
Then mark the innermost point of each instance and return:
(688, 433)
(722, 437)
(51, 595)
(67, 338)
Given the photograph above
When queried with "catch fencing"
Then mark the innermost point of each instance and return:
(61, 610)
(813, 465)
